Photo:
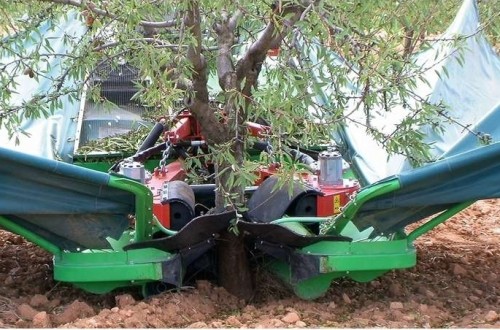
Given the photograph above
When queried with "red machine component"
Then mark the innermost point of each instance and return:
(187, 128)
(173, 200)
(171, 172)
(335, 197)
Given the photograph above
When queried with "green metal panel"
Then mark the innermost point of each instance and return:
(104, 164)
(361, 261)
(356, 256)
(143, 205)
(431, 224)
(29, 235)
(104, 270)
(364, 195)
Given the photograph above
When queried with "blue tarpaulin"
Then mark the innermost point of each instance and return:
(70, 206)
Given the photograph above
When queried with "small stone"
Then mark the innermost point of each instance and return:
(395, 289)
(115, 309)
(396, 305)
(246, 317)
(346, 298)
(300, 324)
(41, 320)
(361, 322)
(203, 286)
(491, 316)
(291, 317)
(430, 294)
(8, 280)
(458, 270)
(269, 323)
(332, 305)
(473, 298)
(249, 309)
(233, 321)
(396, 314)
(375, 284)
(124, 300)
(53, 303)
(26, 312)
(76, 310)
(216, 324)
(39, 300)
(126, 312)
(9, 316)
(274, 323)
(198, 325)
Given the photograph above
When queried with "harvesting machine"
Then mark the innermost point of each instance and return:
(137, 222)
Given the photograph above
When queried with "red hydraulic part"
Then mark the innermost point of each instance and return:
(336, 192)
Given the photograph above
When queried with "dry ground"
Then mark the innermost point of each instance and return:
(455, 284)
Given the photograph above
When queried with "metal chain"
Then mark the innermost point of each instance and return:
(165, 154)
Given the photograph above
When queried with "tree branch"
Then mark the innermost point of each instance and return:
(212, 129)
(271, 37)
(225, 41)
(103, 12)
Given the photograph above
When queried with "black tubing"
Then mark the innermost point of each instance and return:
(302, 157)
(152, 137)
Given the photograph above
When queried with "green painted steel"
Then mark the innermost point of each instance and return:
(163, 229)
(29, 235)
(369, 192)
(361, 261)
(314, 287)
(103, 162)
(143, 205)
(301, 220)
(442, 217)
(297, 228)
(104, 270)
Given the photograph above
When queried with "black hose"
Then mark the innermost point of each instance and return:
(152, 137)
(302, 157)
(144, 155)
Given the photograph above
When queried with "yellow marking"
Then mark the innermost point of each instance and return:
(336, 204)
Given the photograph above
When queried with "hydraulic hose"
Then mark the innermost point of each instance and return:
(153, 136)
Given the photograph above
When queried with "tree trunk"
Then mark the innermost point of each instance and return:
(233, 264)
(234, 268)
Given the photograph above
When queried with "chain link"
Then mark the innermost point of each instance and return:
(165, 154)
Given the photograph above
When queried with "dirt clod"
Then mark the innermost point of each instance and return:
(290, 318)
(39, 300)
(124, 300)
(459, 270)
(41, 320)
(198, 325)
(396, 305)
(491, 316)
(346, 298)
(26, 312)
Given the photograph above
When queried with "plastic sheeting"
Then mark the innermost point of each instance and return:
(469, 88)
(51, 137)
(424, 191)
(70, 206)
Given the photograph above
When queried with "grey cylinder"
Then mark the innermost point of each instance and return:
(330, 168)
(134, 170)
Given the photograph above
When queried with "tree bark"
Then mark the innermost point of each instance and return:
(233, 265)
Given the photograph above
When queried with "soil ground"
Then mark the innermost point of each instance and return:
(456, 283)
